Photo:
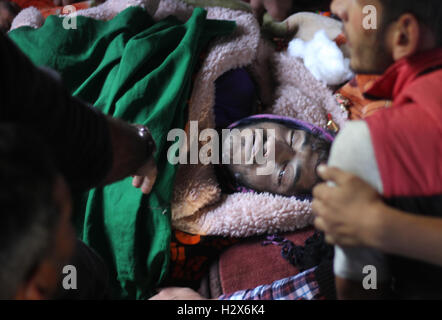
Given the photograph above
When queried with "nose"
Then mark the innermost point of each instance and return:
(339, 8)
(283, 152)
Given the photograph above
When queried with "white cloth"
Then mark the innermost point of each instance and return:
(353, 151)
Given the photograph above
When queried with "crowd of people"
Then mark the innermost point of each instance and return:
(377, 190)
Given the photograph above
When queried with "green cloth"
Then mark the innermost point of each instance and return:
(141, 71)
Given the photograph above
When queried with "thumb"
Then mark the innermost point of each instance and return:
(332, 174)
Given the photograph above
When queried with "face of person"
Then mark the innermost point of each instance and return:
(45, 280)
(369, 49)
(296, 154)
(8, 11)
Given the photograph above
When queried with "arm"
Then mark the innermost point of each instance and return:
(352, 151)
(89, 148)
(352, 213)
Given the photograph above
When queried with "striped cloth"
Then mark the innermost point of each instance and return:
(302, 286)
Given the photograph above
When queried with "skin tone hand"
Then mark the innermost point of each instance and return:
(350, 212)
(176, 293)
(145, 176)
(278, 9)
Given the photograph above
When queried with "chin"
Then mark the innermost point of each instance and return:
(359, 69)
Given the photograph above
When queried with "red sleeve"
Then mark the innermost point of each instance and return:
(408, 148)
(39, 4)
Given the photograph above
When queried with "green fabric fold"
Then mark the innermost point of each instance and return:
(141, 71)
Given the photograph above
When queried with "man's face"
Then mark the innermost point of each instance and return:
(369, 49)
(47, 276)
(293, 166)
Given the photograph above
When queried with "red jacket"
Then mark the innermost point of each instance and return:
(407, 137)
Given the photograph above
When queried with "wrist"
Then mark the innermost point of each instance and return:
(381, 220)
(132, 147)
(146, 136)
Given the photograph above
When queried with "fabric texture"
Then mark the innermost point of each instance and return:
(198, 205)
(353, 151)
(351, 96)
(235, 97)
(140, 71)
(302, 286)
(246, 264)
(407, 137)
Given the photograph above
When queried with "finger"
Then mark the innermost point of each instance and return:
(329, 239)
(147, 185)
(318, 208)
(137, 181)
(319, 224)
(332, 174)
(324, 192)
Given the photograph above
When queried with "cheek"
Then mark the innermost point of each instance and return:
(66, 242)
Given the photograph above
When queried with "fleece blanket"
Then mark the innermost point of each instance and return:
(286, 88)
(138, 70)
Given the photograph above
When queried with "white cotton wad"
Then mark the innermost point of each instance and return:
(323, 58)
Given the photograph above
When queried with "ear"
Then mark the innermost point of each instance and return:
(406, 37)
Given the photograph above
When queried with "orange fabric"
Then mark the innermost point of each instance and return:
(190, 256)
(186, 238)
(39, 4)
(360, 107)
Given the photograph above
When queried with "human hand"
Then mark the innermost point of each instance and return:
(350, 212)
(176, 293)
(278, 9)
(145, 176)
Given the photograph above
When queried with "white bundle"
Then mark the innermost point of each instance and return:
(323, 58)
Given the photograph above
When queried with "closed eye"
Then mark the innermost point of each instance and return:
(282, 173)
(291, 138)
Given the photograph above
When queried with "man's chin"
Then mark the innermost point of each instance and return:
(357, 68)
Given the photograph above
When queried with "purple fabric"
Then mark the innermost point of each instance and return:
(308, 126)
(234, 98)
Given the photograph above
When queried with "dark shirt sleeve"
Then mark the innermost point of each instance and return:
(77, 133)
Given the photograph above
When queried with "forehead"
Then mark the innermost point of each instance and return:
(266, 125)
